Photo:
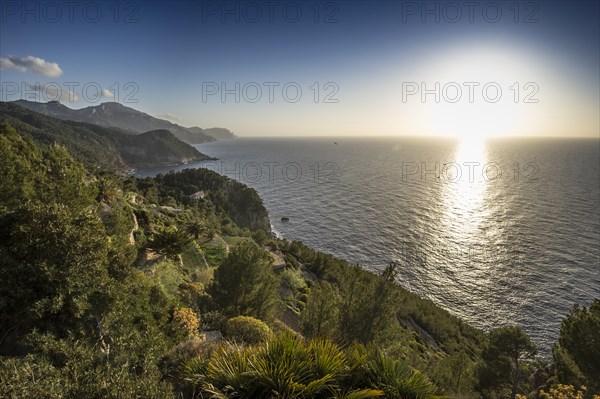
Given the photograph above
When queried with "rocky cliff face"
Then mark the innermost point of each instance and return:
(247, 209)
(256, 218)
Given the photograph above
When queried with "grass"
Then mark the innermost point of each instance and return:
(215, 251)
(233, 241)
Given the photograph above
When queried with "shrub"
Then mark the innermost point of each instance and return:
(565, 392)
(247, 329)
(188, 320)
(182, 353)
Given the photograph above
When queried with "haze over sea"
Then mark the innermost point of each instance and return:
(498, 232)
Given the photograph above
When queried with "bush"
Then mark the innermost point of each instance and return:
(183, 353)
(247, 329)
(578, 347)
(187, 320)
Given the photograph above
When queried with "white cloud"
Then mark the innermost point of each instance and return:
(107, 93)
(170, 117)
(31, 64)
(52, 92)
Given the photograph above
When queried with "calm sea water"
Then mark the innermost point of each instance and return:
(497, 232)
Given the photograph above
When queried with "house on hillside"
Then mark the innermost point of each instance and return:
(198, 196)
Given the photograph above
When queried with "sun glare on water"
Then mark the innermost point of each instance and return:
(464, 196)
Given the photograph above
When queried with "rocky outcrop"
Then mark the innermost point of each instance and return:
(246, 207)
(422, 333)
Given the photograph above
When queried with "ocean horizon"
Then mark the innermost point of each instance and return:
(496, 231)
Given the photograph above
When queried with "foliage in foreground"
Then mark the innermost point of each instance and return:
(290, 366)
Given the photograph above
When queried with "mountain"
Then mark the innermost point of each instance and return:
(217, 133)
(113, 114)
(108, 147)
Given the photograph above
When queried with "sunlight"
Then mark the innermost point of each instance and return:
(473, 121)
(475, 92)
(464, 192)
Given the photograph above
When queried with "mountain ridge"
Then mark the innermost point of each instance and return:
(109, 147)
(130, 120)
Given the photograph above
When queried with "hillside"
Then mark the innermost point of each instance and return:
(218, 133)
(121, 287)
(116, 115)
(95, 145)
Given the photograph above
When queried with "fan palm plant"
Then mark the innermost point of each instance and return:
(288, 366)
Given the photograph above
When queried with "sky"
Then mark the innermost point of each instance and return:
(307, 68)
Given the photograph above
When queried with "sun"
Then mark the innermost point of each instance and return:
(472, 120)
(474, 92)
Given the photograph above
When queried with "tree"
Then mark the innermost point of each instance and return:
(320, 317)
(577, 352)
(455, 372)
(169, 242)
(502, 358)
(197, 229)
(40, 174)
(368, 303)
(245, 283)
(53, 268)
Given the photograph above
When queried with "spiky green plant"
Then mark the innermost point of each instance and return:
(356, 394)
(288, 366)
(285, 366)
(229, 365)
(395, 378)
(328, 359)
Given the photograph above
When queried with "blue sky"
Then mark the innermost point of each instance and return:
(361, 54)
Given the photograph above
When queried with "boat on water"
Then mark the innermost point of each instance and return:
(285, 219)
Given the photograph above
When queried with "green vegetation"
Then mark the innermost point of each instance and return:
(246, 329)
(169, 242)
(119, 287)
(93, 145)
(245, 284)
(577, 352)
(288, 366)
(502, 358)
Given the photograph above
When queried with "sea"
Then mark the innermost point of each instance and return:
(497, 231)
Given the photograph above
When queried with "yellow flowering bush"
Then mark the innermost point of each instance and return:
(561, 391)
(188, 320)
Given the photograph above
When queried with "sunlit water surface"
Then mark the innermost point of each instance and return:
(497, 232)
